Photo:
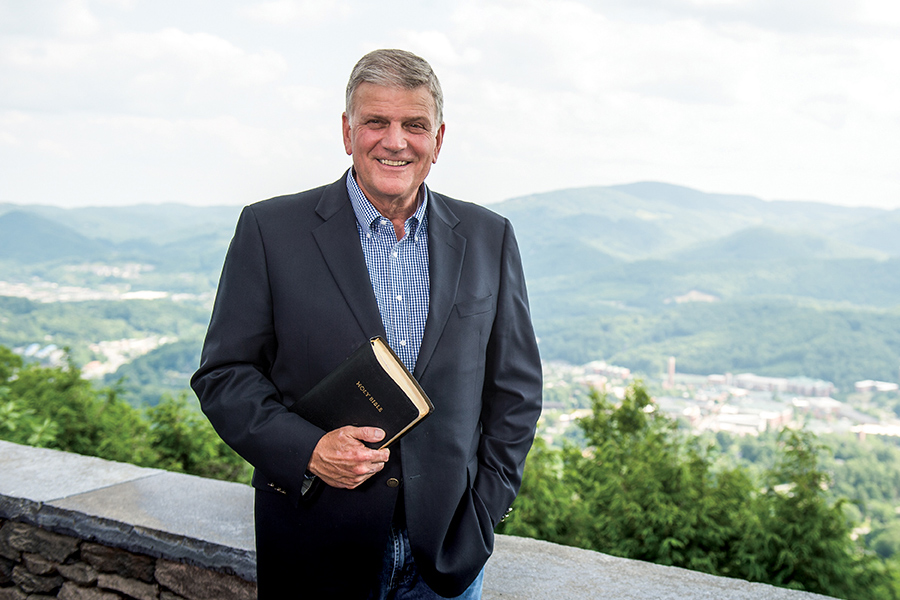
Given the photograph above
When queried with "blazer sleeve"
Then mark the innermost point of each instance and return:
(233, 382)
(511, 397)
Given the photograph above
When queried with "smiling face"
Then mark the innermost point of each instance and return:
(394, 139)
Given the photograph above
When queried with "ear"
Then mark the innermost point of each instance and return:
(345, 127)
(438, 141)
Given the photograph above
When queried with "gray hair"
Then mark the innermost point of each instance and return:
(399, 69)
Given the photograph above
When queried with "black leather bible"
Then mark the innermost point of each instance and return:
(371, 388)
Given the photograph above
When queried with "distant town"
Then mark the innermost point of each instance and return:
(46, 292)
(740, 404)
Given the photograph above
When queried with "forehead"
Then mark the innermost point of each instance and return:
(378, 100)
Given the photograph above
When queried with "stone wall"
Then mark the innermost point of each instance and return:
(77, 527)
(37, 564)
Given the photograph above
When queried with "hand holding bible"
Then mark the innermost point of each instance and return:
(342, 460)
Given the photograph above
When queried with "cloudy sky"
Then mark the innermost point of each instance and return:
(226, 102)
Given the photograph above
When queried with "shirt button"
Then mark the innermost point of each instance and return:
(402, 342)
(399, 298)
(393, 482)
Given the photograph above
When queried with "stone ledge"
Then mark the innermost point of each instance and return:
(526, 569)
(180, 517)
(208, 523)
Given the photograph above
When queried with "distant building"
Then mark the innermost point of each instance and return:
(749, 381)
(809, 387)
(869, 385)
(599, 367)
(750, 415)
(819, 407)
(803, 386)
(875, 429)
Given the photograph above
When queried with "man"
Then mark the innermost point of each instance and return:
(310, 277)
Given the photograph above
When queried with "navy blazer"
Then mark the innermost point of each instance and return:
(295, 299)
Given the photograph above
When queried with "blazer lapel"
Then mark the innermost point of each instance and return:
(446, 250)
(338, 239)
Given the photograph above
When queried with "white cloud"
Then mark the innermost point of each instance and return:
(593, 99)
(199, 55)
(879, 13)
(244, 141)
(76, 19)
(439, 48)
(160, 71)
(291, 12)
(761, 97)
(307, 98)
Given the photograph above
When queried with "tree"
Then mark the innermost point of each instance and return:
(542, 508)
(53, 407)
(804, 541)
(641, 489)
(85, 420)
(184, 441)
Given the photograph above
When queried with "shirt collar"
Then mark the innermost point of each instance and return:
(367, 215)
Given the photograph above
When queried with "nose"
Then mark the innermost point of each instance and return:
(394, 137)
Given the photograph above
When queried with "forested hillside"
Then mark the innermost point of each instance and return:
(634, 274)
(631, 274)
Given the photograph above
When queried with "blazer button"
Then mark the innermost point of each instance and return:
(393, 482)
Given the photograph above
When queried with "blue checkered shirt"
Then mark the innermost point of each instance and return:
(398, 270)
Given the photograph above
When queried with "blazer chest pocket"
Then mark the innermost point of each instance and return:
(469, 308)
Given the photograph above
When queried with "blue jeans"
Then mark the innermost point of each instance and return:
(400, 580)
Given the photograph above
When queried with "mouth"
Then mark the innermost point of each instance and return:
(393, 163)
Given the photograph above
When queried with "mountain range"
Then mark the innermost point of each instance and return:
(612, 272)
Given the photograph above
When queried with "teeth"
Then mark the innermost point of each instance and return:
(393, 163)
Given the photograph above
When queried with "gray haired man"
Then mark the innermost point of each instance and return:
(308, 278)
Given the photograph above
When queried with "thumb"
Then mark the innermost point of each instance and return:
(370, 434)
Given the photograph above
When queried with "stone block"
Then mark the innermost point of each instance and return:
(6, 567)
(72, 591)
(17, 535)
(6, 549)
(28, 538)
(9, 553)
(31, 583)
(55, 546)
(80, 572)
(165, 595)
(114, 560)
(12, 594)
(194, 583)
(37, 564)
(130, 587)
